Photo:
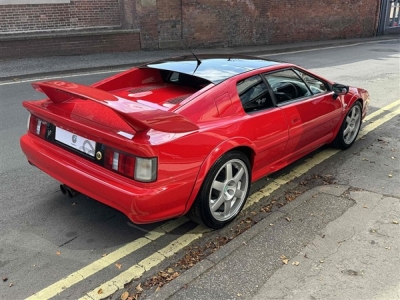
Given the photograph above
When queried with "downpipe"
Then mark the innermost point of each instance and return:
(66, 190)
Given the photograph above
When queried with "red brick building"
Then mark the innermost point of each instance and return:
(62, 27)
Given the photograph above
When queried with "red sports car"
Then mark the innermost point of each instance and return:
(186, 135)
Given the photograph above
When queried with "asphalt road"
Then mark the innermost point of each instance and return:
(45, 237)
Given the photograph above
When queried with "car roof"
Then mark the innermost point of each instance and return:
(214, 68)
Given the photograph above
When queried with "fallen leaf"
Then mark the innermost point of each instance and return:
(285, 261)
(58, 253)
(321, 261)
(124, 295)
(390, 175)
(139, 288)
(288, 219)
(173, 276)
(5, 278)
(239, 295)
(170, 270)
(282, 257)
(270, 224)
(395, 222)
(295, 263)
(11, 284)
(119, 266)
(158, 288)
(100, 291)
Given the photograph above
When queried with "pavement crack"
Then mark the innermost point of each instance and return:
(70, 240)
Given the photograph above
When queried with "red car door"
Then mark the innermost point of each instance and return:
(311, 111)
(265, 124)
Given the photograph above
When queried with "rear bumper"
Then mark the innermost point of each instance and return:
(142, 203)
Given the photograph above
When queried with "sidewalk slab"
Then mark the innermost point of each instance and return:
(353, 259)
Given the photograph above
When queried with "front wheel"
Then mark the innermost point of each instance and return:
(351, 125)
(224, 191)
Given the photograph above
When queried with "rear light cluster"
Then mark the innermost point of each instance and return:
(141, 169)
(138, 168)
(37, 126)
(120, 162)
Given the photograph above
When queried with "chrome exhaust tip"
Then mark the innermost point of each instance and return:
(71, 192)
(66, 190)
(63, 189)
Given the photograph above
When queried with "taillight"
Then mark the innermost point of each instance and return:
(146, 169)
(119, 162)
(138, 168)
(37, 126)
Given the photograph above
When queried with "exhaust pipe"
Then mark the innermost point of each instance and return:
(66, 190)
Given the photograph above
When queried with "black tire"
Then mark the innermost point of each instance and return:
(223, 192)
(350, 128)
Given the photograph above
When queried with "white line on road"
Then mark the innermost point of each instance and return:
(62, 76)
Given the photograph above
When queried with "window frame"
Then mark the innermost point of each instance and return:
(302, 98)
(268, 90)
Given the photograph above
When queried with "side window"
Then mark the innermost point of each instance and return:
(316, 86)
(287, 85)
(254, 94)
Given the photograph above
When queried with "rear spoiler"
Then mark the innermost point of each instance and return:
(139, 116)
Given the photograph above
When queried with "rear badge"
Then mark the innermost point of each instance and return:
(99, 156)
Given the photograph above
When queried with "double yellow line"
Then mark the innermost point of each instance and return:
(108, 288)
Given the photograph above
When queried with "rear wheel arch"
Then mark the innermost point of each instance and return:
(224, 190)
(242, 145)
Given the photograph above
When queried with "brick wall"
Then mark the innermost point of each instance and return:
(70, 44)
(78, 14)
(200, 23)
(209, 23)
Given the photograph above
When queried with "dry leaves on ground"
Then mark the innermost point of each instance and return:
(284, 259)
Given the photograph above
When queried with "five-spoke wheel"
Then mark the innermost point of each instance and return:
(350, 127)
(224, 191)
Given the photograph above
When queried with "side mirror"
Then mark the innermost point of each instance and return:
(339, 89)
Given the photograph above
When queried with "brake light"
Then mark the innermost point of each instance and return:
(138, 168)
(119, 162)
(37, 126)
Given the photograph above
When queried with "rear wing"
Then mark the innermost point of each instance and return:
(137, 115)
